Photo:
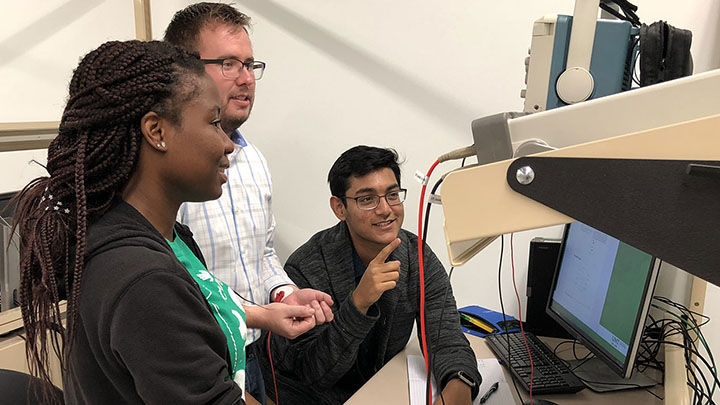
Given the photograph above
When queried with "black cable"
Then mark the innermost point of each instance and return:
(615, 13)
(691, 314)
(647, 355)
(647, 389)
(424, 238)
(442, 311)
(429, 204)
(634, 53)
(699, 389)
(583, 360)
(655, 333)
(679, 306)
(564, 342)
(695, 352)
(502, 308)
(627, 8)
(588, 356)
(430, 362)
(574, 342)
(427, 208)
(688, 318)
(626, 5)
(582, 363)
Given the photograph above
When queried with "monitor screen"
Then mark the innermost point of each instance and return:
(9, 256)
(601, 294)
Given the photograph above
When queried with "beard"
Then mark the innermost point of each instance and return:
(231, 122)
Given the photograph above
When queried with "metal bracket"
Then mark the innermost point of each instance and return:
(650, 204)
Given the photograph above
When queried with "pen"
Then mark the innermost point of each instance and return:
(489, 392)
(476, 323)
(482, 325)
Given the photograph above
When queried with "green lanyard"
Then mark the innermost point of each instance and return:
(226, 305)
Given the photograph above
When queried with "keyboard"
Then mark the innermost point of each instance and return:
(551, 375)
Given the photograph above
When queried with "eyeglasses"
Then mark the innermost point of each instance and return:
(232, 68)
(370, 202)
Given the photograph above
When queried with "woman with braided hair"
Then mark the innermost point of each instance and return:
(146, 322)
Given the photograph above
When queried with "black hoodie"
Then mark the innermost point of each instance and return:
(145, 332)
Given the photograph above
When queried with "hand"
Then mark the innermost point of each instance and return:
(317, 300)
(456, 392)
(378, 278)
(249, 399)
(285, 320)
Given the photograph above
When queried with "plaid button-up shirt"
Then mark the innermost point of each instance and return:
(235, 232)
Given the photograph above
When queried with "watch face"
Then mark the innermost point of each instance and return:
(466, 379)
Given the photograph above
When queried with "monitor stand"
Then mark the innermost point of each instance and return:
(597, 376)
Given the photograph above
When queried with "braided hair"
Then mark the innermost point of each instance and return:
(89, 164)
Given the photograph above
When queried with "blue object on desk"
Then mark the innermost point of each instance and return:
(491, 317)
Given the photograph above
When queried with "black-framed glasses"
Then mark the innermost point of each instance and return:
(370, 202)
(232, 68)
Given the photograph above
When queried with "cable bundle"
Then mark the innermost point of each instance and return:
(701, 376)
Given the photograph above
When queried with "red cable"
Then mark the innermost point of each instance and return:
(272, 367)
(278, 298)
(422, 279)
(522, 331)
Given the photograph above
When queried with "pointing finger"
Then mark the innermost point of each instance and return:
(385, 252)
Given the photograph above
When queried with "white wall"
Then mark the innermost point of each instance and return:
(41, 42)
(408, 75)
(404, 74)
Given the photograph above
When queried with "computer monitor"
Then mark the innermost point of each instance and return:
(601, 294)
(9, 255)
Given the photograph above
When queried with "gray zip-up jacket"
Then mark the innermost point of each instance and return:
(321, 366)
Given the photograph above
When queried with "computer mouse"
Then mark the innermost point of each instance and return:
(540, 402)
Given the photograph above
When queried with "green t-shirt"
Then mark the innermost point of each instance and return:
(225, 303)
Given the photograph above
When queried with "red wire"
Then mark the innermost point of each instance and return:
(522, 331)
(272, 367)
(422, 279)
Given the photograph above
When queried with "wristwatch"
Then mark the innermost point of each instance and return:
(465, 378)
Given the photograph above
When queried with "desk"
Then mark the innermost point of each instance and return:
(390, 384)
(12, 345)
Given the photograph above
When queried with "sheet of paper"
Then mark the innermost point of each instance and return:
(490, 370)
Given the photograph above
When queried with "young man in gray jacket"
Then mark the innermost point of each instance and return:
(369, 265)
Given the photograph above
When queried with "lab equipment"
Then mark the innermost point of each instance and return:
(610, 69)
(601, 293)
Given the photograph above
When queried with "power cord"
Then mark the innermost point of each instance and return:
(522, 330)
(502, 309)
(628, 11)
(272, 368)
(683, 323)
(447, 287)
(437, 339)
(423, 335)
